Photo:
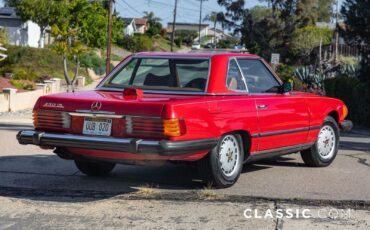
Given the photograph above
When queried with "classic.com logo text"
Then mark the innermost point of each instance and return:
(331, 213)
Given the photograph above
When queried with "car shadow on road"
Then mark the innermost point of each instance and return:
(352, 145)
(47, 177)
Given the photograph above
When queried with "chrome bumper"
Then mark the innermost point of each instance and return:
(129, 145)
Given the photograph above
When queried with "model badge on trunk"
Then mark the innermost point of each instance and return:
(53, 105)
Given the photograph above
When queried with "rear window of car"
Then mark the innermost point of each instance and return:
(162, 74)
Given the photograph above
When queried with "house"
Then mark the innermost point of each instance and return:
(135, 26)
(189, 27)
(19, 32)
(219, 34)
(141, 25)
(129, 26)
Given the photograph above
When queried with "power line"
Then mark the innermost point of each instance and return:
(200, 20)
(132, 8)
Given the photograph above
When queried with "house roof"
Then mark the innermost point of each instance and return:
(127, 21)
(8, 12)
(140, 21)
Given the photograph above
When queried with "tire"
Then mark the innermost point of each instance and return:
(95, 169)
(222, 166)
(325, 149)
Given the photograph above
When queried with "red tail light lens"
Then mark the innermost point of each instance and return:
(48, 119)
(158, 127)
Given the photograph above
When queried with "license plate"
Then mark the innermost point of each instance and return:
(97, 126)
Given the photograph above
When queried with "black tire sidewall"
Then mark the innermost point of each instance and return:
(219, 176)
(324, 162)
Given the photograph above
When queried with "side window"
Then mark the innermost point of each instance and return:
(234, 79)
(259, 78)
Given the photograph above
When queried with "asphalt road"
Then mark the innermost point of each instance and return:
(348, 178)
(31, 177)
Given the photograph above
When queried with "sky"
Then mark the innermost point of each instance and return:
(188, 10)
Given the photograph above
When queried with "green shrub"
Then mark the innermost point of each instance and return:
(93, 61)
(23, 84)
(286, 73)
(355, 95)
(137, 43)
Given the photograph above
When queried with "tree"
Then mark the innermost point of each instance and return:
(306, 39)
(42, 12)
(215, 17)
(356, 14)
(82, 26)
(154, 22)
(263, 33)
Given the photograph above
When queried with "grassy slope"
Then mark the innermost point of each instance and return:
(162, 44)
(32, 63)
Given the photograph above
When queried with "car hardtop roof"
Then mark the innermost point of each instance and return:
(193, 55)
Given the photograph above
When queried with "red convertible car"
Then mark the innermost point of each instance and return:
(218, 110)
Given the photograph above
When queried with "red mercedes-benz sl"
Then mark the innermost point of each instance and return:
(219, 110)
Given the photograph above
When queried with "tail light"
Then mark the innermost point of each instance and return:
(49, 119)
(144, 126)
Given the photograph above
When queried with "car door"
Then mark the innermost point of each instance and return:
(283, 118)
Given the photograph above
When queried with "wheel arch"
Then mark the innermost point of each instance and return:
(246, 141)
(335, 115)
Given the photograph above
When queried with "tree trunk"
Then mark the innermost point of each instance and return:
(66, 75)
(41, 39)
(76, 71)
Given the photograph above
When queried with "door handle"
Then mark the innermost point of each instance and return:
(262, 106)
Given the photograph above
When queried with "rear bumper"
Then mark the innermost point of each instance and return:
(128, 145)
(346, 125)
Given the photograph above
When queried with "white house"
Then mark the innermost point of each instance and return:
(135, 26)
(129, 26)
(189, 27)
(19, 32)
(219, 34)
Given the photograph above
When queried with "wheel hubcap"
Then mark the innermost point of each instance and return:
(326, 142)
(229, 155)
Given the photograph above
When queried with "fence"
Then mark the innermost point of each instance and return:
(11, 100)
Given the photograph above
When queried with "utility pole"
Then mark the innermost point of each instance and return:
(109, 40)
(173, 26)
(200, 20)
(336, 33)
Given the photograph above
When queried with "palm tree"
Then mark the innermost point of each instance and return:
(215, 17)
(152, 19)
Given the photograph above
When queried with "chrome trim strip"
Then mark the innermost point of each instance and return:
(87, 113)
(94, 112)
(254, 156)
(287, 131)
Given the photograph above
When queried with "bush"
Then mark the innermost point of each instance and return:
(93, 61)
(355, 95)
(286, 73)
(137, 43)
(23, 84)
